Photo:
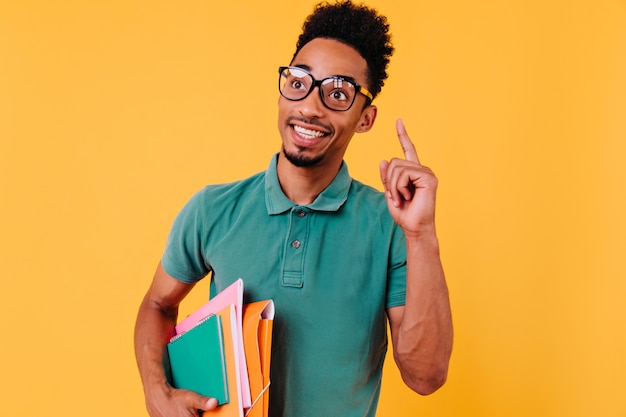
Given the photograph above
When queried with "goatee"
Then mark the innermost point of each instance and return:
(302, 161)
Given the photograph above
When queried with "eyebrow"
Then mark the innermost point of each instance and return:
(304, 67)
(345, 77)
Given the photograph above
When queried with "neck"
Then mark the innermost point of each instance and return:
(302, 185)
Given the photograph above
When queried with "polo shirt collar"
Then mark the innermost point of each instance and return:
(331, 199)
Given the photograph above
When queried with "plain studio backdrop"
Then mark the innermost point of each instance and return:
(113, 113)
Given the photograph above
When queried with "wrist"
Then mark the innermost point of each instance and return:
(422, 233)
(424, 241)
(155, 382)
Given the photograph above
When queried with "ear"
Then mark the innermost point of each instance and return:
(366, 122)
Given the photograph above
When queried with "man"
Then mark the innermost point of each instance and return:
(338, 258)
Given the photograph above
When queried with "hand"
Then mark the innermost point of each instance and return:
(410, 188)
(179, 403)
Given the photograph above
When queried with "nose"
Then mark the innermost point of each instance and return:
(312, 105)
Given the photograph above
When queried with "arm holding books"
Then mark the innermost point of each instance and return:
(153, 329)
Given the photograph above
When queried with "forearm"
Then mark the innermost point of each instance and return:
(423, 342)
(153, 329)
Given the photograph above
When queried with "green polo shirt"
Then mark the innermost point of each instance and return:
(332, 268)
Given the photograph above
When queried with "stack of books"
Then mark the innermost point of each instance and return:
(223, 351)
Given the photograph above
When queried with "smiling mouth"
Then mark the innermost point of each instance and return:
(308, 133)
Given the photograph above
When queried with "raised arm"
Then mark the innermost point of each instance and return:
(421, 330)
(154, 327)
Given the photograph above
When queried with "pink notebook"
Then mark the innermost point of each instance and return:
(233, 294)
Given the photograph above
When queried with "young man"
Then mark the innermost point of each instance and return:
(338, 258)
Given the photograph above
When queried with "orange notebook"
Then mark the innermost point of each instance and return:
(265, 344)
(258, 319)
(234, 408)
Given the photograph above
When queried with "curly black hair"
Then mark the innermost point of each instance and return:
(358, 26)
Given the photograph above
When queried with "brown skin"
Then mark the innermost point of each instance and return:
(155, 325)
(323, 58)
(422, 329)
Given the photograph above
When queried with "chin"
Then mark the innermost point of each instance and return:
(302, 161)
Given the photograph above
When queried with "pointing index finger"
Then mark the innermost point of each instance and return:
(407, 146)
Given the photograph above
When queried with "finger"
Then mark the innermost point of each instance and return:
(407, 146)
(399, 182)
(207, 404)
(384, 177)
(383, 166)
(199, 402)
(389, 175)
(405, 186)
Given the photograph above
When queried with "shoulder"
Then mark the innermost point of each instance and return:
(364, 189)
(229, 192)
(215, 199)
(368, 206)
(367, 196)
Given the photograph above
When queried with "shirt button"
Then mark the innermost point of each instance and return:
(296, 244)
(301, 213)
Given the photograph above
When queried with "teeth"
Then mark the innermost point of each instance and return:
(308, 133)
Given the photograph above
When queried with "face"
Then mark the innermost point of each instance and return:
(312, 134)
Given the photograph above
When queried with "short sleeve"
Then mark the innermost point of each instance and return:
(396, 276)
(183, 258)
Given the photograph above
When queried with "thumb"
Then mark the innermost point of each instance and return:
(204, 403)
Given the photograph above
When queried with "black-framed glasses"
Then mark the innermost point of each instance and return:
(337, 92)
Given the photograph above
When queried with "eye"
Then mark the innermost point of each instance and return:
(338, 89)
(338, 95)
(297, 84)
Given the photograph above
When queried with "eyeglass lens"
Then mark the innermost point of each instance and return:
(337, 93)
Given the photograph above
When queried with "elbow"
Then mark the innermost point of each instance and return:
(423, 378)
(425, 384)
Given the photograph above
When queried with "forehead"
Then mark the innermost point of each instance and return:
(328, 57)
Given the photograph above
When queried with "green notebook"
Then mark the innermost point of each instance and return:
(197, 360)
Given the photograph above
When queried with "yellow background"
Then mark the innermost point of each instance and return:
(112, 113)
